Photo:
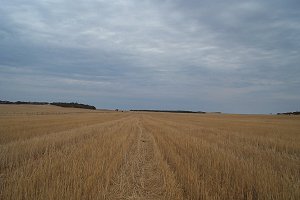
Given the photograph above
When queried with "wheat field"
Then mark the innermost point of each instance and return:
(48, 152)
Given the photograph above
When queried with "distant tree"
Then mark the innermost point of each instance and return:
(62, 104)
(73, 105)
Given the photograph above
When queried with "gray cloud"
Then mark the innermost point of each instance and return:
(228, 56)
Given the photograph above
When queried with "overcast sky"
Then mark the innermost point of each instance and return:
(215, 55)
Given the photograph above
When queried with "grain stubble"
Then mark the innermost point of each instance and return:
(114, 155)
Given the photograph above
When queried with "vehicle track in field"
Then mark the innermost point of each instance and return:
(142, 175)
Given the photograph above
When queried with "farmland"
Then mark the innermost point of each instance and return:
(48, 152)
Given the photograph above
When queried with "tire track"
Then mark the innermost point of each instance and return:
(144, 174)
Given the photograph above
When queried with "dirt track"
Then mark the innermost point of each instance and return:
(141, 175)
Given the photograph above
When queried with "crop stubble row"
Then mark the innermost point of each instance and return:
(155, 156)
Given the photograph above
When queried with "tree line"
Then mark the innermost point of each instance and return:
(62, 104)
(290, 113)
(170, 111)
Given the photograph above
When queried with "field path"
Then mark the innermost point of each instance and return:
(142, 175)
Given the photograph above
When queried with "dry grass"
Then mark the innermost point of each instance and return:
(19, 122)
(58, 153)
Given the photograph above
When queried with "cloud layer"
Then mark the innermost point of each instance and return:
(229, 56)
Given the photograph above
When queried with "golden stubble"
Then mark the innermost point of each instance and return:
(47, 152)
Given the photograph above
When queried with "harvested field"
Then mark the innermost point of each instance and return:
(48, 152)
